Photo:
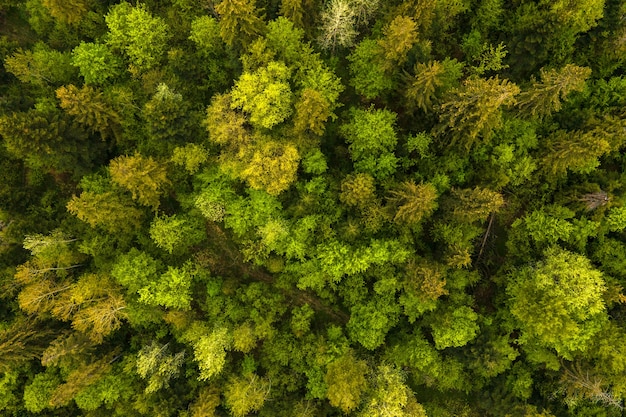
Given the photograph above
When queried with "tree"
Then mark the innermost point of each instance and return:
(558, 302)
(41, 65)
(412, 202)
(67, 11)
(358, 190)
(144, 177)
(38, 392)
(430, 81)
(246, 394)
(293, 10)
(545, 97)
(134, 31)
(239, 21)
(205, 404)
(312, 111)
(45, 139)
(476, 204)
(79, 379)
(338, 25)
(89, 108)
(110, 210)
(372, 139)
(474, 110)
(96, 63)
(574, 151)
(272, 167)
(390, 396)
(20, 342)
(423, 283)
(454, 327)
(191, 157)
(367, 68)
(158, 366)
(346, 378)
(226, 127)
(176, 233)
(209, 348)
(265, 95)
(399, 37)
(171, 290)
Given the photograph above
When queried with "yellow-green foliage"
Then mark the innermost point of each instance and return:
(273, 167)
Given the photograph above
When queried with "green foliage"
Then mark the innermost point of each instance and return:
(358, 190)
(239, 21)
(41, 65)
(454, 327)
(473, 111)
(246, 394)
(272, 168)
(142, 37)
(38, 392)
(110, 210)
(399, 38)
(545, 97)
(391, 396)
(430, 81)
(209, 349)
(372, 139)
(346, 380)
(67, 11)
(96, 63)
(158, 366)
(368, 75)
(205, 33)
(176, 233)
(144, 177)
(558, 303)
(413, 202)
(88, 107)
(432, 233)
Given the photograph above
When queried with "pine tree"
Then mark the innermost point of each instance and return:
(109, 210)
(239, 21)
(89, 108)
(545, 97)
(473, 111)
(67, 11)
(413, 202)
(144, 177)
(399, 38)
(430, 81)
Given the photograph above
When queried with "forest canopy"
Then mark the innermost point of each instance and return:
(312, 208)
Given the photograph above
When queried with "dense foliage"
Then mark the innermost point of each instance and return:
(312, 208)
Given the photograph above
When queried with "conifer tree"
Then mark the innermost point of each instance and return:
(413, 202)
(545, 97)
(89, 108)
(239, 21)
(67, 11)
(144, 177)
(473, 111)
(399, 38)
